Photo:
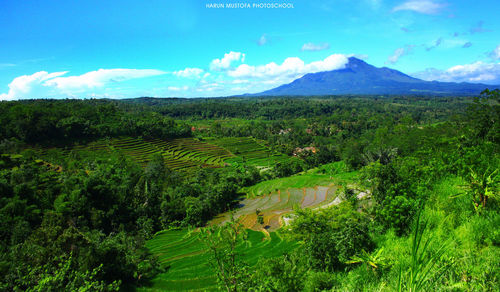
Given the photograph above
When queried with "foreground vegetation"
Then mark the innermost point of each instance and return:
(86, 185)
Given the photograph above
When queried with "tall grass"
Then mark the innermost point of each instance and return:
(424, 270)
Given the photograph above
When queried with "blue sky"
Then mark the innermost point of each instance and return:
(167, 48)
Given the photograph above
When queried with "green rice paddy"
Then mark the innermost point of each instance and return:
(249, 151)
(186, 262)
(186, 154)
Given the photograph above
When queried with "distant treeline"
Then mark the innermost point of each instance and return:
(422, 108)
(49, 121)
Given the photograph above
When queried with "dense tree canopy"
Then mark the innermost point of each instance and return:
(70, 121)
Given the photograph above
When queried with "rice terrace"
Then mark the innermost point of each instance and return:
(186, 259)
(185, 153)
(306, 145)
(275, 205)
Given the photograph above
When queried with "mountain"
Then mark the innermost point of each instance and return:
(359, 77)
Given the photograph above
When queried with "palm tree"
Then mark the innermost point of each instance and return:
(483, 186)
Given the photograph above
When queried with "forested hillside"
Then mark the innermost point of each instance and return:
(365, 192)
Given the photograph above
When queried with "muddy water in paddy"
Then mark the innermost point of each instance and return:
(276, 204)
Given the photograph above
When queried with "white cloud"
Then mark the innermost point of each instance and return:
(99, 78)
(359, 56)
(5, 65)
(398, 53)
(225, 62)
(240, 81)
(255, 78)
(240, 89)
(423, 6)
(292, 67)
(477, 72)
(209, 87)
(44, 84)
(174, 88)
(21, 86)
(495, 54)
(315, 47)
(189, 72)
(275, 81)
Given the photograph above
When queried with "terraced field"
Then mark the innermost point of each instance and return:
(248, 150)
(276, 204)
(179, 154)
(192, 149)
(185, 259)
(188, 153)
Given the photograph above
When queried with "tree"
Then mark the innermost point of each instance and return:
(478, 149)
(221, 241)
(66, 277)
(281, 274)
(483, 117)
(260, 217)
(331, 236)
(394, 187)
(483, 186)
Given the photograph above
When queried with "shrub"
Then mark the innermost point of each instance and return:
(285, 273)
(319, 281)
(332, 236)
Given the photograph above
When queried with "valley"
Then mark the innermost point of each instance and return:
(195, 204)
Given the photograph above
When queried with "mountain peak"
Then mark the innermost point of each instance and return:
(357, 65)
(353, 61)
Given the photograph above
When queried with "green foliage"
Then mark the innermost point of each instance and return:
(371, 261)
(67, 278)
(319, 281)
(287, 168)
(58, 213)
(284, 273)
(331, 236)
(43, 121)
(397, 187)
(483, 117)
(482, 187)
(397, 212)
(221, 243)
